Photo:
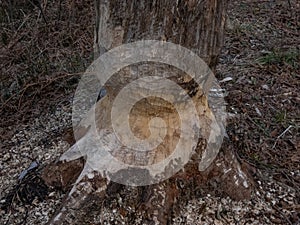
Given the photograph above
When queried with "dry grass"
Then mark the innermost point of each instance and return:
(43, 50)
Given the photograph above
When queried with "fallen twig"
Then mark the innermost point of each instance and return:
(283, 133)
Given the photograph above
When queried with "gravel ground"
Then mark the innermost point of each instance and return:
(272, 203)
(37, 141)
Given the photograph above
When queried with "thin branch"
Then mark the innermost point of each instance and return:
(283, 133)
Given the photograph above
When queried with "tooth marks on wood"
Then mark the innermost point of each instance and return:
(198, 26)
(156, 202)
(87, 192)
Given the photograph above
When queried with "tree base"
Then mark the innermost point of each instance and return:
(226, 176)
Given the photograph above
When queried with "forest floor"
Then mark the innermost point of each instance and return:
(43, 52)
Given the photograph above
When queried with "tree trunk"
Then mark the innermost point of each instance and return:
(196, 25)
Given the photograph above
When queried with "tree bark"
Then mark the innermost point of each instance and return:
(194, 24)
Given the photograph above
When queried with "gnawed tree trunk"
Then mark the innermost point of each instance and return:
(194, 24)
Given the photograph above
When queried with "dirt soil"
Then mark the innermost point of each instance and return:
(46, 47)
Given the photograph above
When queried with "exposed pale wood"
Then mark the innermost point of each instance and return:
(197, 25)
